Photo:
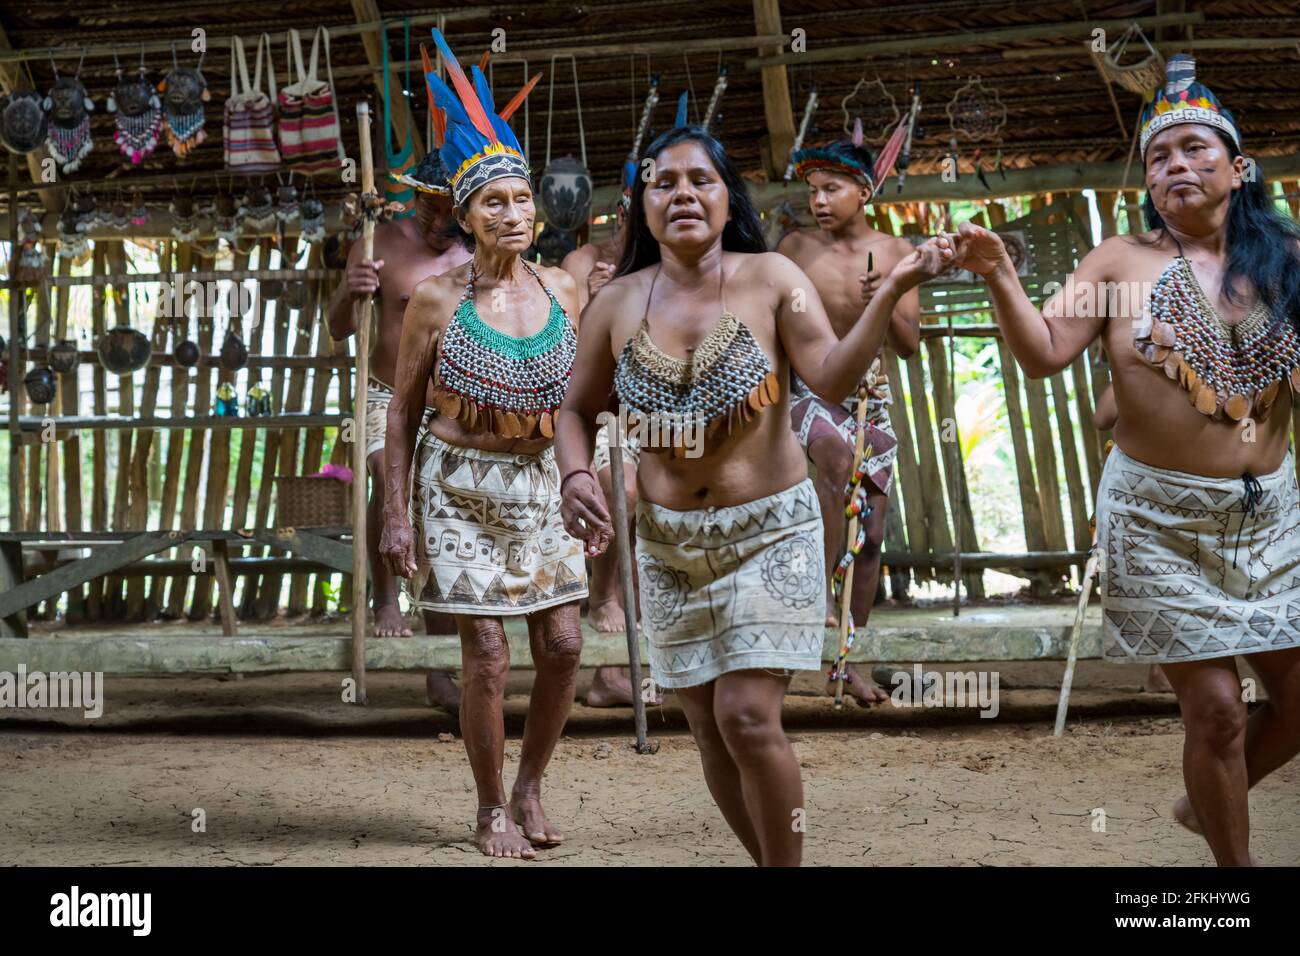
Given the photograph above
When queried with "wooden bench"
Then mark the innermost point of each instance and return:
(114, 550)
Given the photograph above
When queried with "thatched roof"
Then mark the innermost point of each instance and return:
(1057, 106)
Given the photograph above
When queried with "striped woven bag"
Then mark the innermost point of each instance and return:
(309, 116)
(249, 125)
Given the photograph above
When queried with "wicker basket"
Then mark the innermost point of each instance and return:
(312, 502)
(1140, 77)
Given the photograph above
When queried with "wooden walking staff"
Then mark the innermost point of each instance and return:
(1085, 591)
(846, 594)
(624, 545)
(360, 382)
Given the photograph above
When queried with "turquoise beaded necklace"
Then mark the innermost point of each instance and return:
(510, 346)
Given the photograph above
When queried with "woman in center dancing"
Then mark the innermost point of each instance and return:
(728, 528)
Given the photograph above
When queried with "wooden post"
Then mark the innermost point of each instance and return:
(16, 300)
(364, 309)
(776, 92)
(225, 584)
(622, 541)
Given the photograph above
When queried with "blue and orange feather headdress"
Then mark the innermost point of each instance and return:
(478, 146)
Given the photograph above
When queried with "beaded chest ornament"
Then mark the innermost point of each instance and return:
(493, 382)
(1228, 370)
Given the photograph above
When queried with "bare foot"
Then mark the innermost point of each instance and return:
(607, 617)
(862, 689)
(1157, 682)
(496, 835)
(1185, 815)
(391, 622)
(527, 811)
(832, 612)
(610, 687)
(441, 691)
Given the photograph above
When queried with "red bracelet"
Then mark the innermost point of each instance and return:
(576, 471)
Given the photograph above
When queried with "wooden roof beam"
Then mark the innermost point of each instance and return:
(776, 93)
(367, 11)
(956, 41)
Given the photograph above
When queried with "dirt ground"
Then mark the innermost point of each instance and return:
(284, 772)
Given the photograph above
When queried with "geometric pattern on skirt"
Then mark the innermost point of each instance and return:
(813, 417)
(1186, 572)
(732, 588)
(489, 540)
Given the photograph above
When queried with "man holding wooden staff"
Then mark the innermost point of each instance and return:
(479, 531)
(846, 259)
(406, 251)
(1198, 512)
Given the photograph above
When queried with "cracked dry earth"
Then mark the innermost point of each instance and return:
(320, 784)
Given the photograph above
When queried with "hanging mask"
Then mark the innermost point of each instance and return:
(234, 353)
(87, 211)
(139, 212)
(30, 268)
(286, 205)
(566, 194)
(123, 350)
(312, 220)
(184, 90)
(258, 211)
(72, 240)
(64, 356)
(40, 385)
(68, 139)
(225, 215)
(119, 216)
(138, 117)
(186, 227)
(23, 122)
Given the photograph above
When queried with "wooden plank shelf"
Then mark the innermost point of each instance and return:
(38, 355)
(30, 423)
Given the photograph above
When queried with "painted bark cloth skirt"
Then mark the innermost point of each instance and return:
(488, 536)
(732, 588)
(1193, 567)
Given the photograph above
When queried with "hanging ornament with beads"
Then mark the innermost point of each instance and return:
(137, 113)
(873, 104)
(185, 228)
(68, 106)
(312, 217)
(30, 265)
(257, 211)
(286, 199)
(976, 111)
(184, 90)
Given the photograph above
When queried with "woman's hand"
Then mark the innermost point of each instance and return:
(932, 258)
(397, 546)
(582, 507)
(599, 277)
(363, 278)
(981, 250)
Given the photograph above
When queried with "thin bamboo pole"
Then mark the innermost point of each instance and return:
(365, 309)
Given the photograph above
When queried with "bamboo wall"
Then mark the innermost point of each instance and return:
(147, 479)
